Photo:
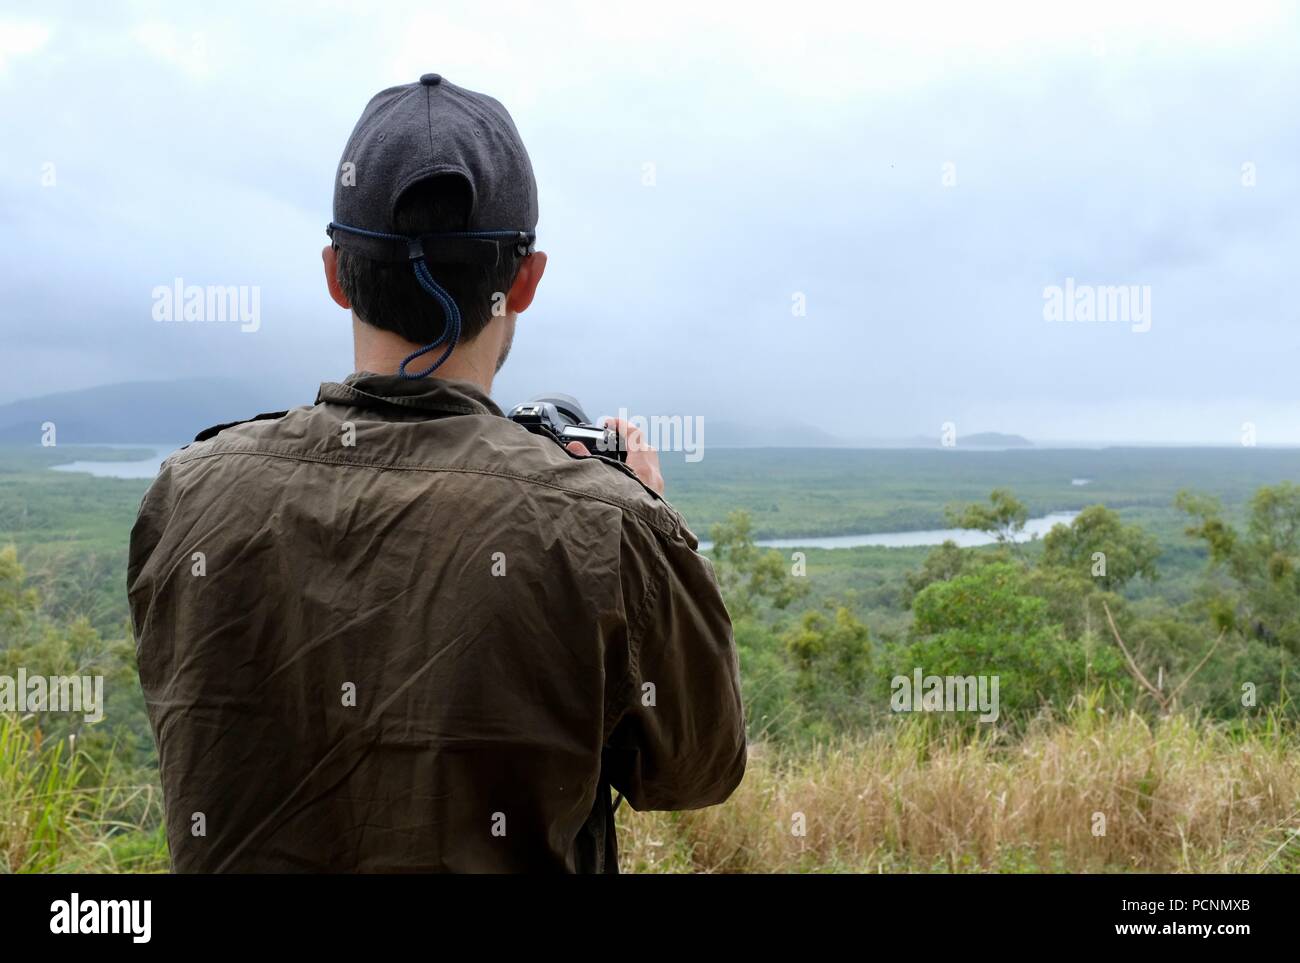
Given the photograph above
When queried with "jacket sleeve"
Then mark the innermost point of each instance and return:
(146, 533)
(676, 728)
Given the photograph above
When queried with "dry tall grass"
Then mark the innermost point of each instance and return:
(1178, 796)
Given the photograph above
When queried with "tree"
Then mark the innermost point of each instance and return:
(1263, 562)
(942, 563)
(1165, 698)
(31, 640)
(992, 598)
(837, 642)
(17, 603)
(1004, 517)
(1098, 545)
(831, 650)
(987, 621)
(747, 575)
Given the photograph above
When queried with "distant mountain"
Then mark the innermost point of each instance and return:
(175, 411)
(141, 411)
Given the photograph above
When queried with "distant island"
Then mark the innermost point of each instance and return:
(993, 439)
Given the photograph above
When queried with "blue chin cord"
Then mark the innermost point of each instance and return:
(450, 335)
(482, 248)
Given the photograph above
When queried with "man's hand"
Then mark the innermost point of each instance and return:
(641, 458)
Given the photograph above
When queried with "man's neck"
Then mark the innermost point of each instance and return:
(382, 352)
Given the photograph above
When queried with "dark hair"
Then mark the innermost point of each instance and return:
(387, 295)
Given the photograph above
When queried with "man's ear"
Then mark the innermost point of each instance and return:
(530, 273)
(330, 257)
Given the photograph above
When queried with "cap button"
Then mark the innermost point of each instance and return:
(431, 80)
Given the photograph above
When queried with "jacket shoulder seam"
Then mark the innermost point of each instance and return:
(659, 525)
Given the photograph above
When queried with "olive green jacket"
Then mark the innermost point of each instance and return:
(395, 631)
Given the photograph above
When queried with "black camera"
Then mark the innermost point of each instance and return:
(562, 418)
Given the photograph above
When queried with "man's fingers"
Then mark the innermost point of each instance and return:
(632, 435)
(578, 448)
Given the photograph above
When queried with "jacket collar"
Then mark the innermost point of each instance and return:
(364, 389)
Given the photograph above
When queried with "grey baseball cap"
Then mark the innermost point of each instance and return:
(416, 131)
(430, 129)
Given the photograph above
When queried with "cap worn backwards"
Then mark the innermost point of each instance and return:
(428, 129)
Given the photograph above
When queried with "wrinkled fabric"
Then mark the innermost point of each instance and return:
(396, 632)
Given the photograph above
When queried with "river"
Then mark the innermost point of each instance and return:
(965, 537)
(144, 468)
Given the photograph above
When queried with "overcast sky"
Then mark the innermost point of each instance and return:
(917, 176)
